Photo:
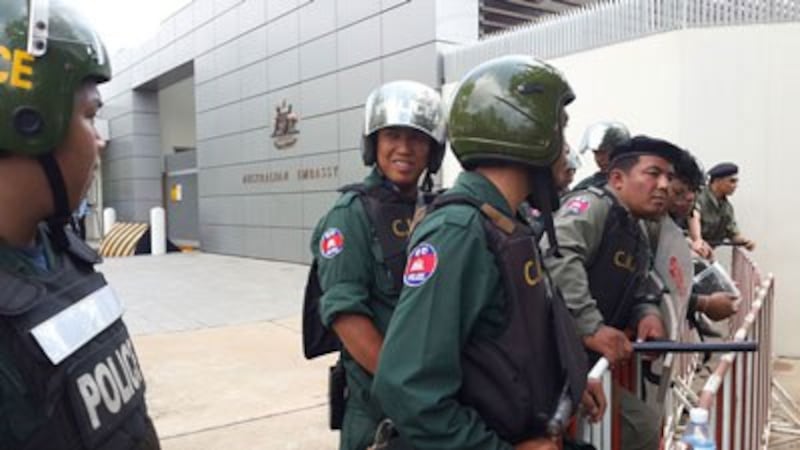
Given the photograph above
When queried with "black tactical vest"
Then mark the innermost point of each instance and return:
(514, 381)
(390, 217)
(620, 265)
(94, 398)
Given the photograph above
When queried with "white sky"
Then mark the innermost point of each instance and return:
(126, 23)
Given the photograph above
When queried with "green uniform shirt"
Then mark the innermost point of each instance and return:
(579, 227)
(419, 374)
(355, 280)
(716, 217)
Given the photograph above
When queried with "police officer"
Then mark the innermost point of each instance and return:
(360, 244)
(69, 376)
(716, 212)
(600, 138)
(480, 346)
(689, 179)
(604, 259)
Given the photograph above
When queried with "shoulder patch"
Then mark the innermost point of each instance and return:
(331, 243)
(576, 205)
(421, 265)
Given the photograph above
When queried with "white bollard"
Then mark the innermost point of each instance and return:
(109, 219)
(158, 231)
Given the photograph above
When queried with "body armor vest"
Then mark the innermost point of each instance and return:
(94, 397)
(390, 217)
(620, 265)
(515, 380)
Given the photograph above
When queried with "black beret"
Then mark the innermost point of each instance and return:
(724, 169)
(645, 145)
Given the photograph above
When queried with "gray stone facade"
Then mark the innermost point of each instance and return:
(248, 57)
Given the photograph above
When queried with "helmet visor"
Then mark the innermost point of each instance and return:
(403, 104)
(44, 28)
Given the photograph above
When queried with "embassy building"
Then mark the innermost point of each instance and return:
(242, 117)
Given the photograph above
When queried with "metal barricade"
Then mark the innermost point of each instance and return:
(738, 394)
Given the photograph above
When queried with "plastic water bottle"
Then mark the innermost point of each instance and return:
(697, 434)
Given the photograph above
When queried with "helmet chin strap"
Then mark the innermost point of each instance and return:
(58, 189)
(544, 197)
(427, 181)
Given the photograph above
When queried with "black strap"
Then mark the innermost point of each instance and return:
(58, 189)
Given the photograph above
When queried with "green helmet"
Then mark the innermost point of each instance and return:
(46, 51)
(509, 109)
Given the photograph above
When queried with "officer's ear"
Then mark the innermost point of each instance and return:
(616, 178)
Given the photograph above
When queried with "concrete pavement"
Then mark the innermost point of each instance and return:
(219, 341)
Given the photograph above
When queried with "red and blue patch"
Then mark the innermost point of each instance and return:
(577, 205)
(331, 243)
(421, 265)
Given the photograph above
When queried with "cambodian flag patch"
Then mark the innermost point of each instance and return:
(331, 243)
(577, 205)
(421, 265)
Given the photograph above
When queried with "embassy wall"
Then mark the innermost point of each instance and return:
(260, 195)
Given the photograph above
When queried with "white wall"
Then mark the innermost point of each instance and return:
(726, 94)
(177, 116)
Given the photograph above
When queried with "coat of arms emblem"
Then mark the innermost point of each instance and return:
(285, 130)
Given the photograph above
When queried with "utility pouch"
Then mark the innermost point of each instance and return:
(337, 395)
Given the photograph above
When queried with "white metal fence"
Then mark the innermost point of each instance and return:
(615, 21)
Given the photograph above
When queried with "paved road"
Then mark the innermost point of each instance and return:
(219, 341)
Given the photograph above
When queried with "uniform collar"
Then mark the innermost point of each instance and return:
(375, 178)
(477, 186)
(16, 260)
(614, 195)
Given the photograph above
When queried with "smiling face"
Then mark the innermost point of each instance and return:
(403, 156)
(644, 188)
(79, 152)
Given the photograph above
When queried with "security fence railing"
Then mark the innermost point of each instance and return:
(749, 409)
(614, 21)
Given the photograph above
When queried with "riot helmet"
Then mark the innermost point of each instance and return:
(604, 136)
(509, 109)
(47, 52)
(404, 104)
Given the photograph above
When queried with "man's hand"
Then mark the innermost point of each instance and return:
(650, 328)
(594, 400)
(611, 343)
(538, 444)
(718, 306)
(703, 249)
